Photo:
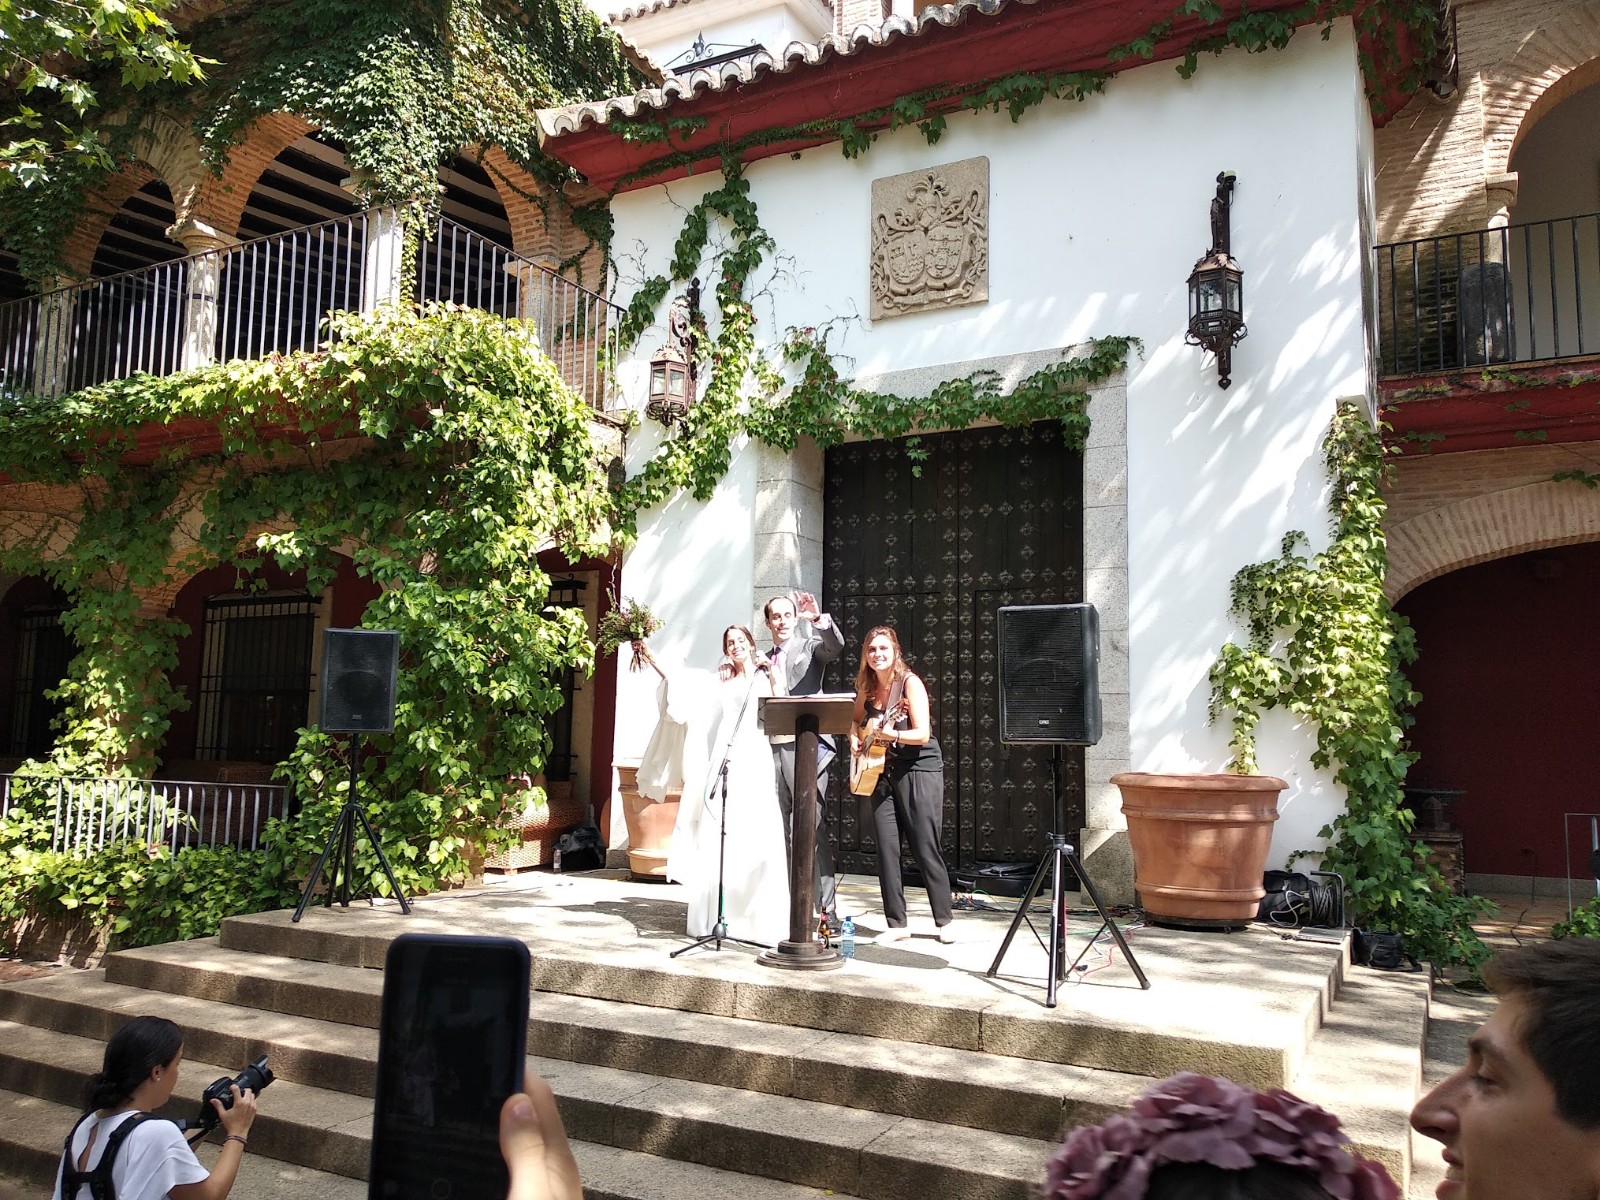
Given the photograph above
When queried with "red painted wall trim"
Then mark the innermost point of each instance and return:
(1493, 409)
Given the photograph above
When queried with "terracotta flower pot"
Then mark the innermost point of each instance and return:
(650, 824)
(1200, 844)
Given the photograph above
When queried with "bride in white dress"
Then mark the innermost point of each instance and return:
(756, 872)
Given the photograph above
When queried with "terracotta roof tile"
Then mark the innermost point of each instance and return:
(792, 59)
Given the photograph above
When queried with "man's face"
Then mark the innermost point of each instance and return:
(780, 620)
(1497, 1119)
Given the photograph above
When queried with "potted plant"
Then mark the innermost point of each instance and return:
(1199, 844)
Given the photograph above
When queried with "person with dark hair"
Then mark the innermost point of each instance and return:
(117, 1150)
(1201, 1137)
(804, 641)
(892, 705)
(1522, 1118)
(746, 870)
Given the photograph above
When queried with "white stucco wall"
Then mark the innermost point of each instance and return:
(1097, 213)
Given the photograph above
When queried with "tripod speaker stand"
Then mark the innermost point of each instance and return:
(342, 844)
(1061, 855)
(358, 677)
(1050, 695)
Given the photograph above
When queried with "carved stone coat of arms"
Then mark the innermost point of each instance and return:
(930, 238)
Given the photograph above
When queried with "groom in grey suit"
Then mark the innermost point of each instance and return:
(798, 655)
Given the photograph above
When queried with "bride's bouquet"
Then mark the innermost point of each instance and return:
(630, 622)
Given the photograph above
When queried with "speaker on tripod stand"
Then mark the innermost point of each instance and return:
(1050, 696)
(359, 667)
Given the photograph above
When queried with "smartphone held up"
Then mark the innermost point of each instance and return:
(451, 1045)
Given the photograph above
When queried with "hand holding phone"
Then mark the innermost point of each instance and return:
(534, 1143)
(451, 1046)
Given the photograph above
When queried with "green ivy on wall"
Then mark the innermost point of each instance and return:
(810, 399)
(1326, 646)
(461, 454)
(404, 87)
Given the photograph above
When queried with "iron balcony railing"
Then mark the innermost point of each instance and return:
(90, 813)
(271, 295)
(577, 328)
(1517, 294)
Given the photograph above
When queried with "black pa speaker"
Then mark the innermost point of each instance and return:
(358, 671)
(1050, 674)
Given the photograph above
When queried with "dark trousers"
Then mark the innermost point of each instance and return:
(783, 759)
(910, 804)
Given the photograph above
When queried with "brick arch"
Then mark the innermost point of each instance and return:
(173, 152)
(221, 199)
(1560, 60)
(79, 250)
(180, 569)
(532, 234)
(1496, 525)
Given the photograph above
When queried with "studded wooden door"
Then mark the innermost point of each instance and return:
(993, 517)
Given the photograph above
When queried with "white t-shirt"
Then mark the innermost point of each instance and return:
(153, 1160)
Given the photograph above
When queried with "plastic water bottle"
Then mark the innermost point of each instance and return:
(555, 864)
(847, 938)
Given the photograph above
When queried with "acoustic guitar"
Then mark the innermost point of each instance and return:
(866, 764)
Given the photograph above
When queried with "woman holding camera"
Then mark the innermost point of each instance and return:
(149, 1159)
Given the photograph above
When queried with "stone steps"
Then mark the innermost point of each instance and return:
(1257, 1035)
(909, 1073)
(33, 1129)
(959, 1087)
(848, 1149)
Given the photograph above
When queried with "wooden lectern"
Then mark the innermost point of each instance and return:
(806, 717)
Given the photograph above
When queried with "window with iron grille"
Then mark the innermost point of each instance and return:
(255, 677)
(43, 652)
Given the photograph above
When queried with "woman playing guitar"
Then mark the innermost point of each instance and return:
(892, 706)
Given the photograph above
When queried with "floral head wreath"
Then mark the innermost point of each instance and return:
(1202, 1119)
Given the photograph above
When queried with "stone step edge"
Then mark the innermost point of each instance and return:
(932, 1083)
(609, 1173)
(784, 998)
(1365, 1065)
(657, 1118)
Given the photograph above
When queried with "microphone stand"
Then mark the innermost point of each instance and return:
(719, 931)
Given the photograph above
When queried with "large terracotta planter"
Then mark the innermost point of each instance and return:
(1199, 844)
(650, 824)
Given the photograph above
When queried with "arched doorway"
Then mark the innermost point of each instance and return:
(1509, 673)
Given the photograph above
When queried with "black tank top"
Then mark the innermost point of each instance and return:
(899, 757)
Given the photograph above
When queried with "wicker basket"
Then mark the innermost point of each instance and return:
(538, 846)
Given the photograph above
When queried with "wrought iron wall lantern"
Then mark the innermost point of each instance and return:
(672, 371)
(1216, 288)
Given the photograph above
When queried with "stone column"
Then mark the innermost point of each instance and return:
(53, 341)
(206, 247)
(1502, 191)
(538, 297)
(787, 531)
(383, 265)
(1103, 842)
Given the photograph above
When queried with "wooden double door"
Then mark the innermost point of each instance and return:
(933, 535)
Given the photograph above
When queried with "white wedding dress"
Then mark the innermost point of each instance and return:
(756, 875)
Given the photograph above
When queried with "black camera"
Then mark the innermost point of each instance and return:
(253, 1078)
